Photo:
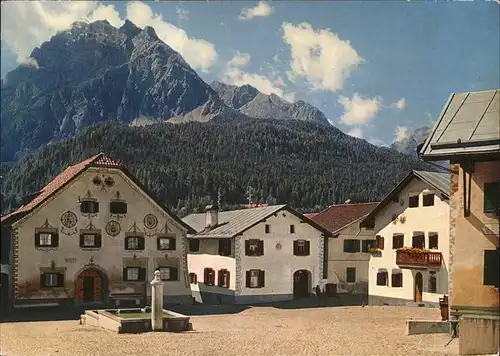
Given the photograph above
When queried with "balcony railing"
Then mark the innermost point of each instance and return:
(418, 259)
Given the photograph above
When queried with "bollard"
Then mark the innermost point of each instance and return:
(157, 302)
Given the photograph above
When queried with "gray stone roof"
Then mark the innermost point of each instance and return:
(232, 222)
(469, 124)
(440, 181)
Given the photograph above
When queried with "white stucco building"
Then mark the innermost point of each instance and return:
(411, 260)
(347, 256)
(263, 254)
(92, 236)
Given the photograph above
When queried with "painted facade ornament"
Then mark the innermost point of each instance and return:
(69, 221)
(134, 228)
(109, 182)
(150, 221)
(113, 228)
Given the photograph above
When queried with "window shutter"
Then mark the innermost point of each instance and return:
(394, 279)
(356, 246)
(308, 248)
(295, 248)
(126, 243)
(141, 243)
(98, 240)
(124, 274)
(142, 274)
(491, 271)
(123, 208)
(172, 243)
(346, 246)
(247, 247)
(381, 242)
(212, 277)
(158, 243)
(55, 239)
(261, 279)
(174, 274)
(228, 279)
(96, 206)
(261, 247)
(42, 281)
(37, 239)
(248, 276)
(60, 280)
(83, 207)
(491, 197)
(82, 238)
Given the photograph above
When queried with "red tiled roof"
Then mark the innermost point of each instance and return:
(60, 180)
(338, 216)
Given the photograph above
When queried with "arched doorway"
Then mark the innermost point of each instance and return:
(419, 284)
(90, 286)
(301, 283)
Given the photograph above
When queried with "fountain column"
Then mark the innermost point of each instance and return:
(157, 302)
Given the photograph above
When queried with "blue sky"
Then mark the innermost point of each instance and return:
(376, 69)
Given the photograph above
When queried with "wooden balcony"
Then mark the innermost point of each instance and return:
(409, 259)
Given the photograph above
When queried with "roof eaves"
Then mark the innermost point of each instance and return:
(436, 125)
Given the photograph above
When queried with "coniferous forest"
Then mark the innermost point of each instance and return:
(188, 166)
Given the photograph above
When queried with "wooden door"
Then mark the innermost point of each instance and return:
(418, 287)
(88, 288)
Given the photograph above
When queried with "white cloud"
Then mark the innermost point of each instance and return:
(319, 56)
(356, 132)
(27, 24)
(358, 110)
(182, 13)
(262, 9)
(400, 104)
(400, 133)
(272, 84)
(200, 54)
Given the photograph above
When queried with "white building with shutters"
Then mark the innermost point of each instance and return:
(410, 263)
(263, 254)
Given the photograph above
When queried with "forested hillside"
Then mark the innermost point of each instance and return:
(305, 164)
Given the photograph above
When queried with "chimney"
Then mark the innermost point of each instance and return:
(211, 216)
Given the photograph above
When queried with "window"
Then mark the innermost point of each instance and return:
(428, 199)
(301, 248)
(166, 243)
(168, 273)
(268, 228)
(193, 279)
(209, 276)
(194, 245)
(491, 270)
(254, 248)
(255, 278)
(134, 274)
(89, 207)
(397, 279)
(51, 280)
(118, 207)
(433, 240)
(418, 240)
(46, 239)
(225, 247)
(382, 278)
(292, 229)
(134, 243)
(398, 241)
(379, 242)
(432, 282)
(351, 246)
(491, 193)
(413, 201)
(223, 280)
(90, 240)
(350, 275)
(367, 244)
